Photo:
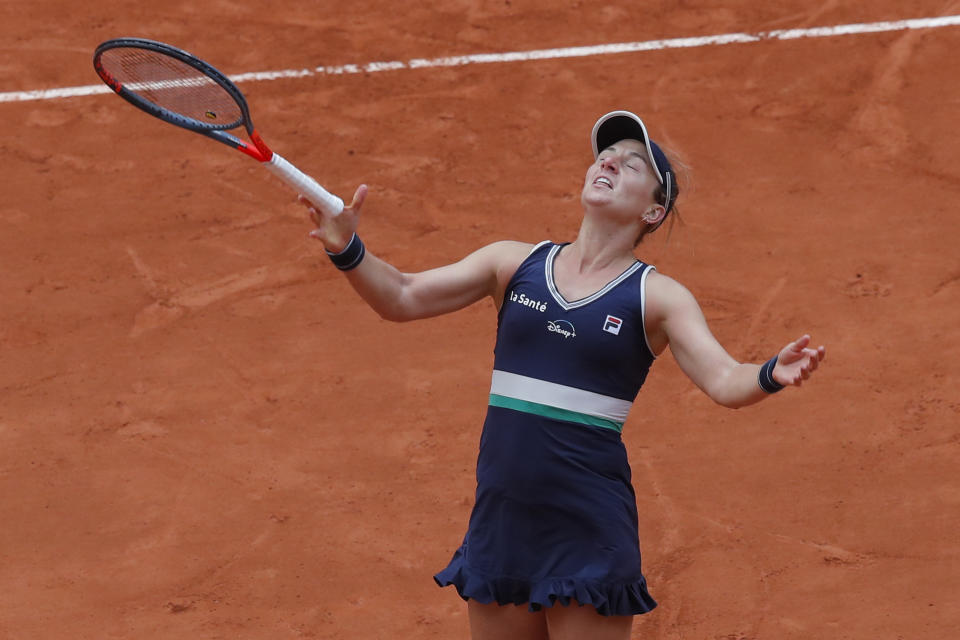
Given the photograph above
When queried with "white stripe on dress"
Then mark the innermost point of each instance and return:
(520, 387)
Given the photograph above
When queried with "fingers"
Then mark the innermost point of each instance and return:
(795, 350)
(358, 197)
(812, 359)
(304, 201)
(799, 360)
(317, 212)
(309, 205)
(314, 215)
(335, 230)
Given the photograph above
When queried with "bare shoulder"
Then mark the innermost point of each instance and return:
(502, 254)
(509, 249)
(502, 259)
(498, 256)
(667, 302)
(663, 293)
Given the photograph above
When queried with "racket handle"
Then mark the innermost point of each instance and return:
(304, 184)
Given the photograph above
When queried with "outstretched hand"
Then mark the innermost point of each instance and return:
(335, 230)
(797, 361)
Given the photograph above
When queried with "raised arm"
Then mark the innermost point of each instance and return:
(675, 318)
(399, 296)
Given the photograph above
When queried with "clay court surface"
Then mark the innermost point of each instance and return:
(204, 433)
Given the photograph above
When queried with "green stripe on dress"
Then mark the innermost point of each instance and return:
(553, 412)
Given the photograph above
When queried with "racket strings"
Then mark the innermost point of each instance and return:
(174, 86)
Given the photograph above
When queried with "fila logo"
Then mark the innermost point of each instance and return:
(612, 325)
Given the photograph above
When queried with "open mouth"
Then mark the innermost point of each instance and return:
(603, 180)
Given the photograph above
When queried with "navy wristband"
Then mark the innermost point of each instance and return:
(351, 256)
(765, 377)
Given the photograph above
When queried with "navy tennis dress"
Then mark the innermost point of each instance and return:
(555, 516)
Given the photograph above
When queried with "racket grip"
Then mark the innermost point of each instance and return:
(304, 184)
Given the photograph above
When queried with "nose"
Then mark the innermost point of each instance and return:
(608, 162)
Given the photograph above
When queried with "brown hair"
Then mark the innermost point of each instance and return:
(680, 172)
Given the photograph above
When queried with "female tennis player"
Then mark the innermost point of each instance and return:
(554, 525)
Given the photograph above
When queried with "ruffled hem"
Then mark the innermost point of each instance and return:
(609, 599)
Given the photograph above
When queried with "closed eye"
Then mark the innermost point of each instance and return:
(635, 160)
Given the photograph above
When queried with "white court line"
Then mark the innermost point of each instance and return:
(539, 54)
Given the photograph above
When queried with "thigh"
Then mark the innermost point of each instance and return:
(495, 622)
(574, 622)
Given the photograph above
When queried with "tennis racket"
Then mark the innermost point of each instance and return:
(181, 89)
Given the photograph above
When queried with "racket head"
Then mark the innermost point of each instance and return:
(172, 85)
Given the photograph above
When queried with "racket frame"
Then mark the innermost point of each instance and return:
(259, 150)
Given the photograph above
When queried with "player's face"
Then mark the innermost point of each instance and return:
(621, 176)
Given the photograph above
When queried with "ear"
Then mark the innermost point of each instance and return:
(654, 214)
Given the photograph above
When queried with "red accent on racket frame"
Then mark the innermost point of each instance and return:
(265, 152)
(111, 82)
(253, 152)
